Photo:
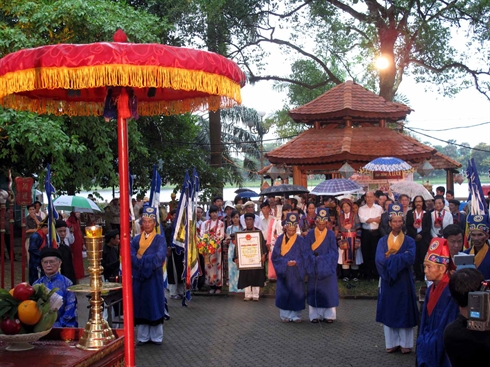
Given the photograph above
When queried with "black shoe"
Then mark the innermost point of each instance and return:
(139, 344)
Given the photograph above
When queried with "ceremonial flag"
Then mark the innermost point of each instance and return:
(131, 209)
(476, 199)
(156, 184)
(52, 213)
(475, 196)
(184, 239)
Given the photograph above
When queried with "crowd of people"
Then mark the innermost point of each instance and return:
(307, 244)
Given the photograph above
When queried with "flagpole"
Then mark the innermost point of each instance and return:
(122, 133)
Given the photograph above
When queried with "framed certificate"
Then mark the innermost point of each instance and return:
(249, 250)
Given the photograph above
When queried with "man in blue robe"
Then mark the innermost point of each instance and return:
(321, 255)
(397, 302)
(148, 253)
(50, 259)
(287, 259)
(478, 226)
(36, 243)
(439, 308)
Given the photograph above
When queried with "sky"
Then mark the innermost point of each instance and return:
(431, 111)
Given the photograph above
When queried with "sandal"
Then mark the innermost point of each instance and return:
(315, 321)
(328, 321)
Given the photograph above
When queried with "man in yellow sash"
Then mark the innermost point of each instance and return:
(397, 303)
(148, 253)
(478, 226)
(288, 262)
(321, 254)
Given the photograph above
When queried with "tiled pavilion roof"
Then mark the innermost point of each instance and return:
(349, 99)
(358, 146)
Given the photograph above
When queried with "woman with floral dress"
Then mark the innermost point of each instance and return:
(214, 268)
(233, 271)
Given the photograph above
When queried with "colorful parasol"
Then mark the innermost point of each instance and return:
(387, 168)
(118, 80)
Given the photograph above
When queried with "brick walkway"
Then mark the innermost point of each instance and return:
(226, 331)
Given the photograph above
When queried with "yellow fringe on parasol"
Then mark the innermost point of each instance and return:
(223, 92)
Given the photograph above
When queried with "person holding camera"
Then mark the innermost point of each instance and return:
(465, 347)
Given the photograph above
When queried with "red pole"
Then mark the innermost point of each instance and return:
(11, 210)
(23, 242)
(122, 133)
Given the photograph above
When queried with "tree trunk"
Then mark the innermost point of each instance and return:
(215, 140)
(387, 76)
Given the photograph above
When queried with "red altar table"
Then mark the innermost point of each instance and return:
(53, 351)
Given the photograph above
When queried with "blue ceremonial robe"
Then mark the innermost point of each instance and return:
(397, 301)
(290, 285)
(148, 291)
(323, 291)
(484, 267)
(67, 314)
(430, 342)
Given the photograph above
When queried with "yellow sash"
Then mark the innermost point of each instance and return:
(394, 246)
(480, 255)
(319, 237)
(285, 247)
(146, 242)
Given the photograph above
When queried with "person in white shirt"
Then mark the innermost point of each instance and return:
(440, 217)
(265, 218)
(249, 207)
(370, 217)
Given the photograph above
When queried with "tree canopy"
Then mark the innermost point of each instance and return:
(417, 38)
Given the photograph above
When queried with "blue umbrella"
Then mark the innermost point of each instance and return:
(336, 186)
(386, 164)
(248, 194)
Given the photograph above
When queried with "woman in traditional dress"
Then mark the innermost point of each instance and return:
(309, 219)
(215, 229)
(73, 223)
(349, 239)
(230, 235)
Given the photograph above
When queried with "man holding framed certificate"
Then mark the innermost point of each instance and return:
(250, 255)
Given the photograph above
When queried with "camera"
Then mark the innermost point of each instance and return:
(479, 308)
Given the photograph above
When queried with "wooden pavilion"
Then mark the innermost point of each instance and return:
(350, 124)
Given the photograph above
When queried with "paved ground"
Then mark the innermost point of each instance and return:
(226, 331)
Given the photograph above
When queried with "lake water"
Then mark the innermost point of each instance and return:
(460, 191)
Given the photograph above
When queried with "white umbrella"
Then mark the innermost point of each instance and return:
(75, 204)
(411, 189)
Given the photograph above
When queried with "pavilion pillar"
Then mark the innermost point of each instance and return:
(299, 177)
(449, 179)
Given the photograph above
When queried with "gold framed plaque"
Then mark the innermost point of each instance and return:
(249, 250)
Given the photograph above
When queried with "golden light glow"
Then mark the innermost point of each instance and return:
(381, 62)
(93, 231)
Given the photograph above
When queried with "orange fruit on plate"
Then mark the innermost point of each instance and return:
(28, 312)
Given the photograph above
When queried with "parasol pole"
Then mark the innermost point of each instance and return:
(122, 133)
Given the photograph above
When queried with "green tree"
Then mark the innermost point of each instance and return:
(83, 151)
(415, 38)
(481, 155)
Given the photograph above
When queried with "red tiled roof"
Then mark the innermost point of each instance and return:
(363, 144)
(441, 161)
(349, 99)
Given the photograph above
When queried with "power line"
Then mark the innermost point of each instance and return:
(445, 141)
(453, 128)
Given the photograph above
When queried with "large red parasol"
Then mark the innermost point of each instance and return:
(78, 80)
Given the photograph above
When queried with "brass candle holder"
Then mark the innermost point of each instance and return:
(97, 332)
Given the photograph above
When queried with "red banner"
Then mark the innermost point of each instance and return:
(380, 175)
(23, 187)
